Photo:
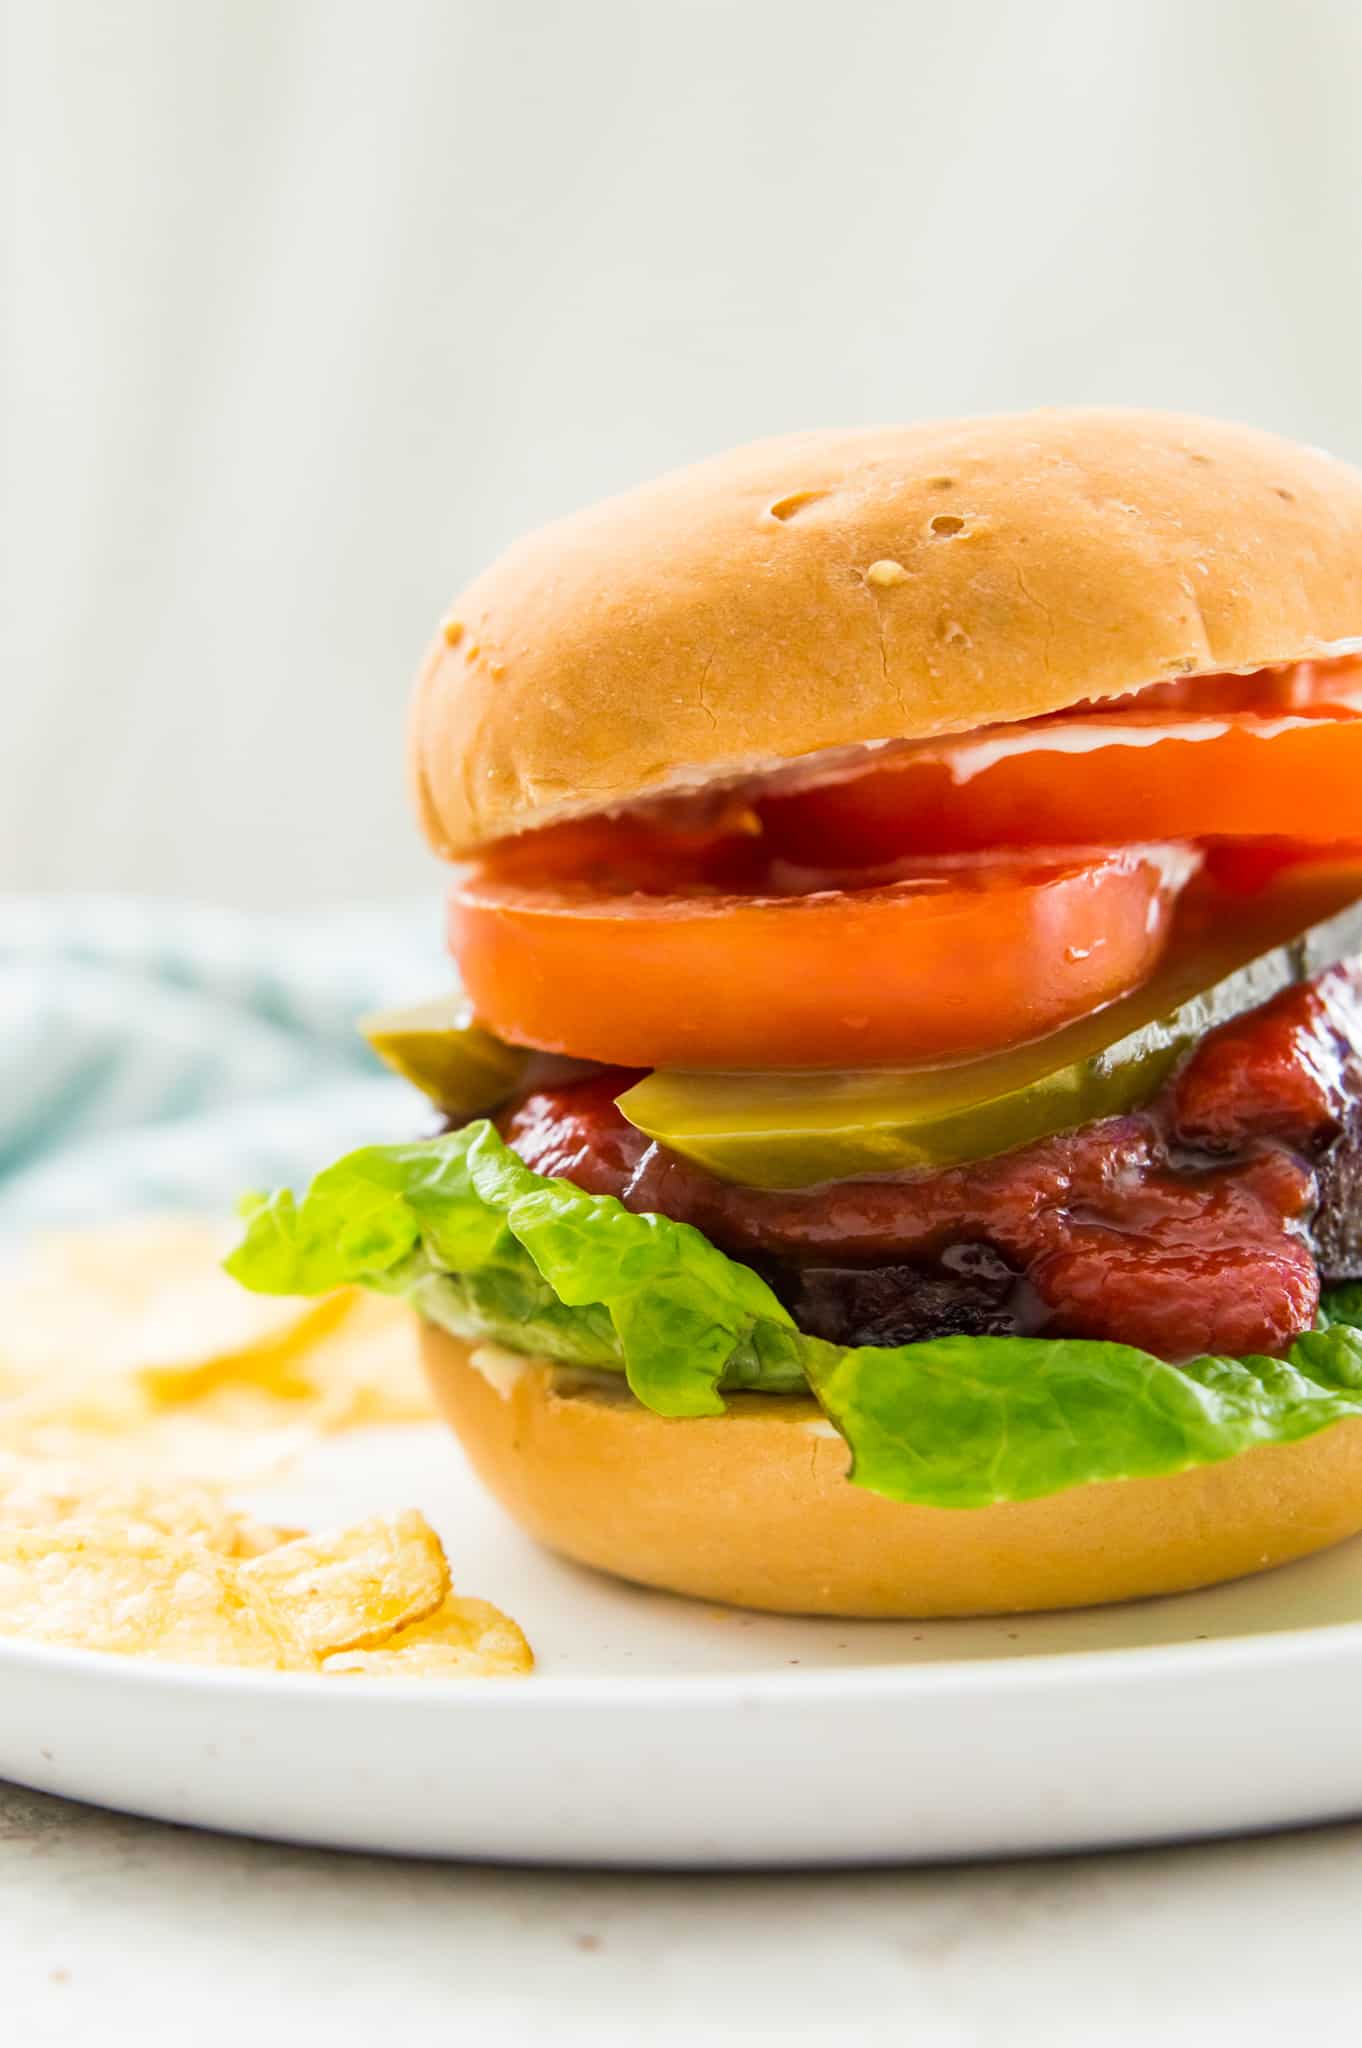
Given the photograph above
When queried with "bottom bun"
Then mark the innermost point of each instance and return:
(753, 1508)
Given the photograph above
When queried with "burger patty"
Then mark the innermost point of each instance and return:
(1201, 1223)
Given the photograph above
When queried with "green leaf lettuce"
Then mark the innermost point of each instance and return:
(461, 1228)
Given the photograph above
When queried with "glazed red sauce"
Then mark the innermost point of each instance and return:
(1185, 1227)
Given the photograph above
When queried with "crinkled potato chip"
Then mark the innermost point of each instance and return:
(252, 1538)
(137, 1383)
(368, 1370)
(195, 1338)
(462, 1639)
(141, 1597)
(175, 1574)
(348, 1589)
(150, 1301)
(233, 1437)
(119, 1332)
(128, 1261)
(37, 1493)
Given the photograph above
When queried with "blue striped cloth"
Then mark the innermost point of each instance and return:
(167, 1056)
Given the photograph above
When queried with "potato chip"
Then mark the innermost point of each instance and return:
(347, 1589)
(175, 1573)
(461, 1639)
(368, 1370)
(252, 1538)
(74, 1407)
(237, 1436)
(127, 1262)
(70, 1300)
(145, 1311)
(137, 1384)
(88, 1588)
(151, 1300)
(37, 1493)
(208, 1331)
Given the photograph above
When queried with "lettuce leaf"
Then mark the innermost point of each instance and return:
(652, 1295)
(966, 1421)
(461, 1228)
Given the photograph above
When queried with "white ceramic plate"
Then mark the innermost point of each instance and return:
(661, 1732)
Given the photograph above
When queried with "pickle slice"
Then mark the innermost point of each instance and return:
(448, 1056)
(792, 1130)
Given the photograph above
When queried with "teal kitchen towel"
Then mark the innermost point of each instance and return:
(161, 1055)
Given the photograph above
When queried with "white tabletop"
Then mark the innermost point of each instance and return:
(115, 1930)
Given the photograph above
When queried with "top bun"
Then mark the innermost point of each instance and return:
(829, 589)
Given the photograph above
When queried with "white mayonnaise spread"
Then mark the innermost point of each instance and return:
(500, 1368)
(968, 758)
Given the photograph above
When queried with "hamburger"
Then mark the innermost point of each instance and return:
(899, 1140)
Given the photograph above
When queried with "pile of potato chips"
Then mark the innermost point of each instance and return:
(140, 1390)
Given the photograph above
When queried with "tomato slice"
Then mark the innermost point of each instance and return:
(961, 956)
(1110, 777)
(621, 855)
(1297, 686)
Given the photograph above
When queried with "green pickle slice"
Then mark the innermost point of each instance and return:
(449, 1057)
(792, 1130)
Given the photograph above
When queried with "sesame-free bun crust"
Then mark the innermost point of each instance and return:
(831, 589)
(754, 1508)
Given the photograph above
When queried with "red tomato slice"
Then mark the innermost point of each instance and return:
(1116, 777)
(658, 855)
(963, 956)
(1300, 685)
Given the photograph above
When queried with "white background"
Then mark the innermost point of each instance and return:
(312, 305)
